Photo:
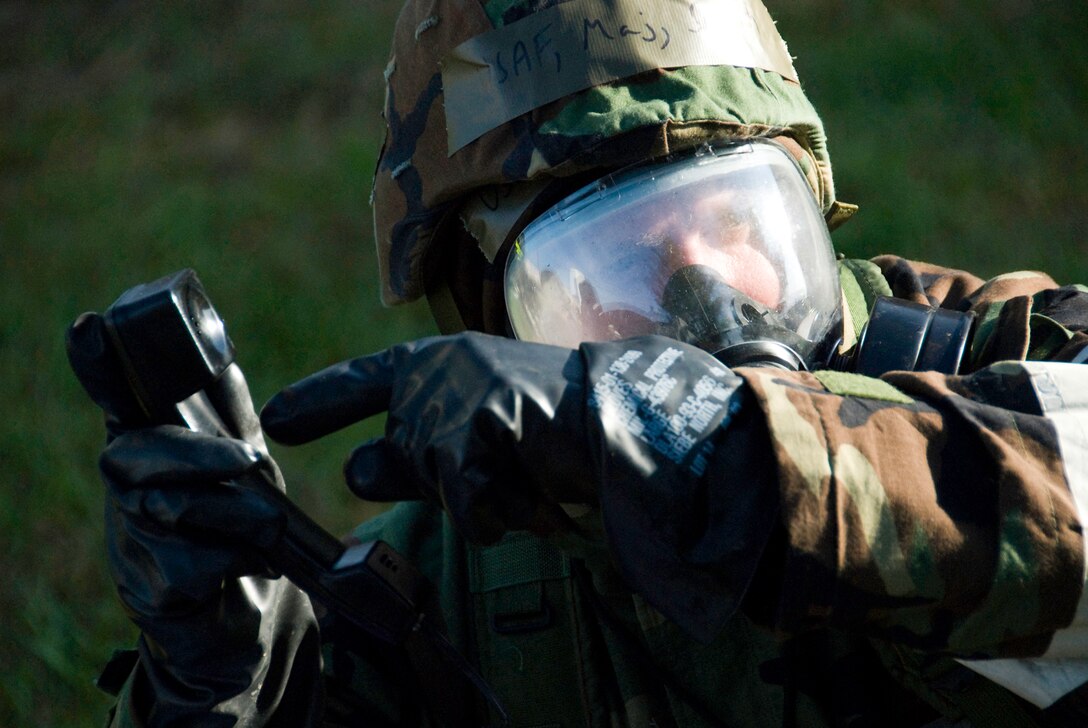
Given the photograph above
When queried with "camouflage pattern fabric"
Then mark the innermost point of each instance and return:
(1022, 315)
(574, 667)
(885, 503)
(934, 521)
(885, 500)
(416, 182)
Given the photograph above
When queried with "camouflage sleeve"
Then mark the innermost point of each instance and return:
(945, 513)
(921, 510)
(1021, 315)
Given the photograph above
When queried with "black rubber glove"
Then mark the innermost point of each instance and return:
(502, 432)
(218, 643)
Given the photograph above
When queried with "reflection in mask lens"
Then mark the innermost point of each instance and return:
(710, 248)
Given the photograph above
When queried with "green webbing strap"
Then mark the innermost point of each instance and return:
(862, 282)
(524, 629)
(519, 558)
(848, 384)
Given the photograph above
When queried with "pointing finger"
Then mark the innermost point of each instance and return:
(330, 400)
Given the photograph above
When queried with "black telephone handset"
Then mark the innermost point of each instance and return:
(172, 345)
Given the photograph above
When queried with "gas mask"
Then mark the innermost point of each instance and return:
(723, 248)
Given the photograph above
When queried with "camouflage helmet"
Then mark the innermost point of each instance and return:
(451, 132)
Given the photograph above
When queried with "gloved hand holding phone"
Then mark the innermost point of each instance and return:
(184, 552)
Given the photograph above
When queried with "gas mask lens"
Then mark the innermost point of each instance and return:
(719, 248)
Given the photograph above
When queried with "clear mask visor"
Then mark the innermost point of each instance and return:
(716, 248)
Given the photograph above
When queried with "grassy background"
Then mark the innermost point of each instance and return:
(239, 139)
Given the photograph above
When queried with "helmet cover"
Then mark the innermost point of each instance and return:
(645, 114)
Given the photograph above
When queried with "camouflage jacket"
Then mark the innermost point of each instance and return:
(922, 518)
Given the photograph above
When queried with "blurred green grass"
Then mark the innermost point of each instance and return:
(958, 126)
(239, 139)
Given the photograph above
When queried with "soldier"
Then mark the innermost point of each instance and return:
(642, 491)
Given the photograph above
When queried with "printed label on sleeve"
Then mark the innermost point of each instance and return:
(651, 409)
